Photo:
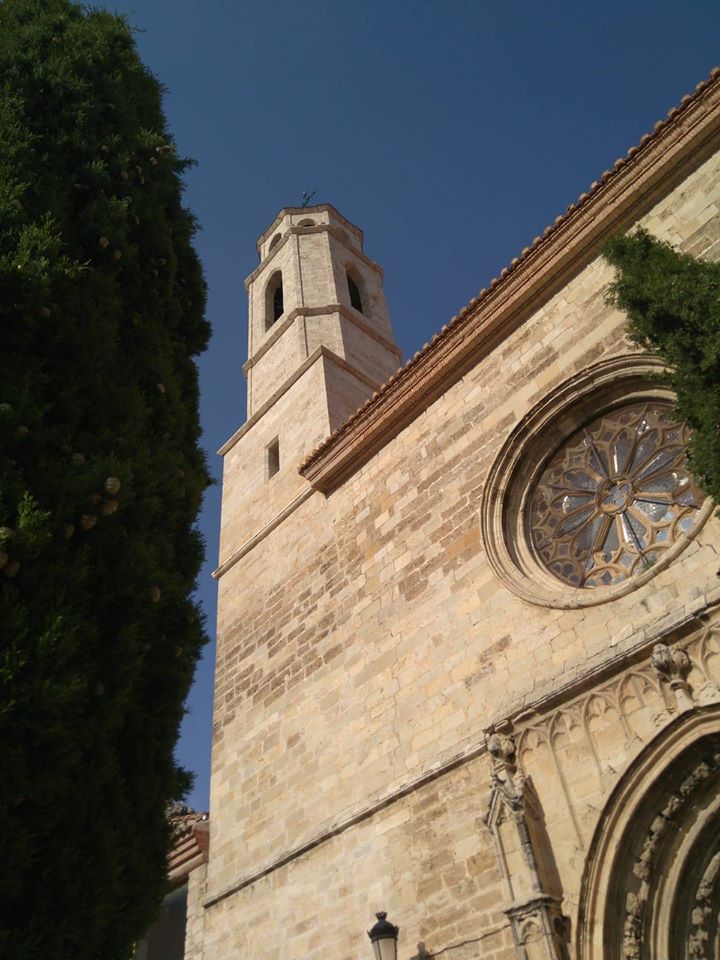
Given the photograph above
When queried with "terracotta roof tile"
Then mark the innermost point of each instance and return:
(396, 380)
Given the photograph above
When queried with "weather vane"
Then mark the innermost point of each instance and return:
(307, 197)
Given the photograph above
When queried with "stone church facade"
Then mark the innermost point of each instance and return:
(468, 656)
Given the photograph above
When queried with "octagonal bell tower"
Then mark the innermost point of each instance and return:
(314, 288)
(319, 344)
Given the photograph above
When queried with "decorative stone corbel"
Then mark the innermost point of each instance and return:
(501, 748)
(672, 665)
(523, 852)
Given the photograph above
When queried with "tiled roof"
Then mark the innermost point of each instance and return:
(454, 327)
(190, 841)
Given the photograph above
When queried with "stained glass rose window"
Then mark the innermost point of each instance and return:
(614, 497)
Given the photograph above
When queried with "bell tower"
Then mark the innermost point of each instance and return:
(319, 344)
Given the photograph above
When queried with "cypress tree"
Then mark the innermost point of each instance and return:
(672, 301)
(102, 312)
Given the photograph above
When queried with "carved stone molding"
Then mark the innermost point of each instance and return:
(698, 944)
(524, 856)
(673, 666)
(501, 748)
(539, 929)
(610, 723)
(645, 866)
(655, 851)
(612, 204)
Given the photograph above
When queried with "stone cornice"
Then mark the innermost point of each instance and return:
(278, 329)
(306, 212)
(302, 231)
(677, 146)
(321, 351)
(347, 312)
(189, 852)
(265, 531)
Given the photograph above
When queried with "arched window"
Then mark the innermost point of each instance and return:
(274, 242)
(306, 223)
(354, 291)
(274, 306)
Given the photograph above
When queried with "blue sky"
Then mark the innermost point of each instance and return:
(452, 132)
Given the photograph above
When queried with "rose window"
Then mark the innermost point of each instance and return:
(614, 497)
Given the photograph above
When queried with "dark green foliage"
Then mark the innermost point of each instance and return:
(672, 301)
(101, 311)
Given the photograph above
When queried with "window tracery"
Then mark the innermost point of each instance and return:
(590, 496)
(614, 497)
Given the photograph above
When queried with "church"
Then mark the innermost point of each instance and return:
(468, 656)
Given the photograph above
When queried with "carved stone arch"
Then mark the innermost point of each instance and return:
(651, 884)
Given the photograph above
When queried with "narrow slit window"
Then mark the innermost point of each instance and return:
(273, 458)
(355, 298)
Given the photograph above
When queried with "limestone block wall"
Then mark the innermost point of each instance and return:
(346, 390)
(195, 929)
(424, 860)
(325, 394)
(313, 251)
(377, 358)
(283, 258)
(250, 498)
(313, 263)
(281, 355)
(300, 335)
(365, 645)
(323, 329)
(322, 214)
(368, 277)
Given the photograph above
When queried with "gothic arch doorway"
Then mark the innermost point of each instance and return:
(651, 886)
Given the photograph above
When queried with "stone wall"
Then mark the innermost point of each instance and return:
(423, 859)
(195, 930)
(365, 645)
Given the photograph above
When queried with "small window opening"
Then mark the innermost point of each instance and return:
(273, 458)
(274, 305)
(355, 299)
(306, 223)
(274, 242)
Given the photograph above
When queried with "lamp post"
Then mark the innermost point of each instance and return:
(383, 938)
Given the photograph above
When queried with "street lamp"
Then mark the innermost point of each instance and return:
(383, 937)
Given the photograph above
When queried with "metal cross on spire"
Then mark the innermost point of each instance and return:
(307, 197)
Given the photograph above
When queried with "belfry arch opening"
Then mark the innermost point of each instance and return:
(274, 300)
(356, 300)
